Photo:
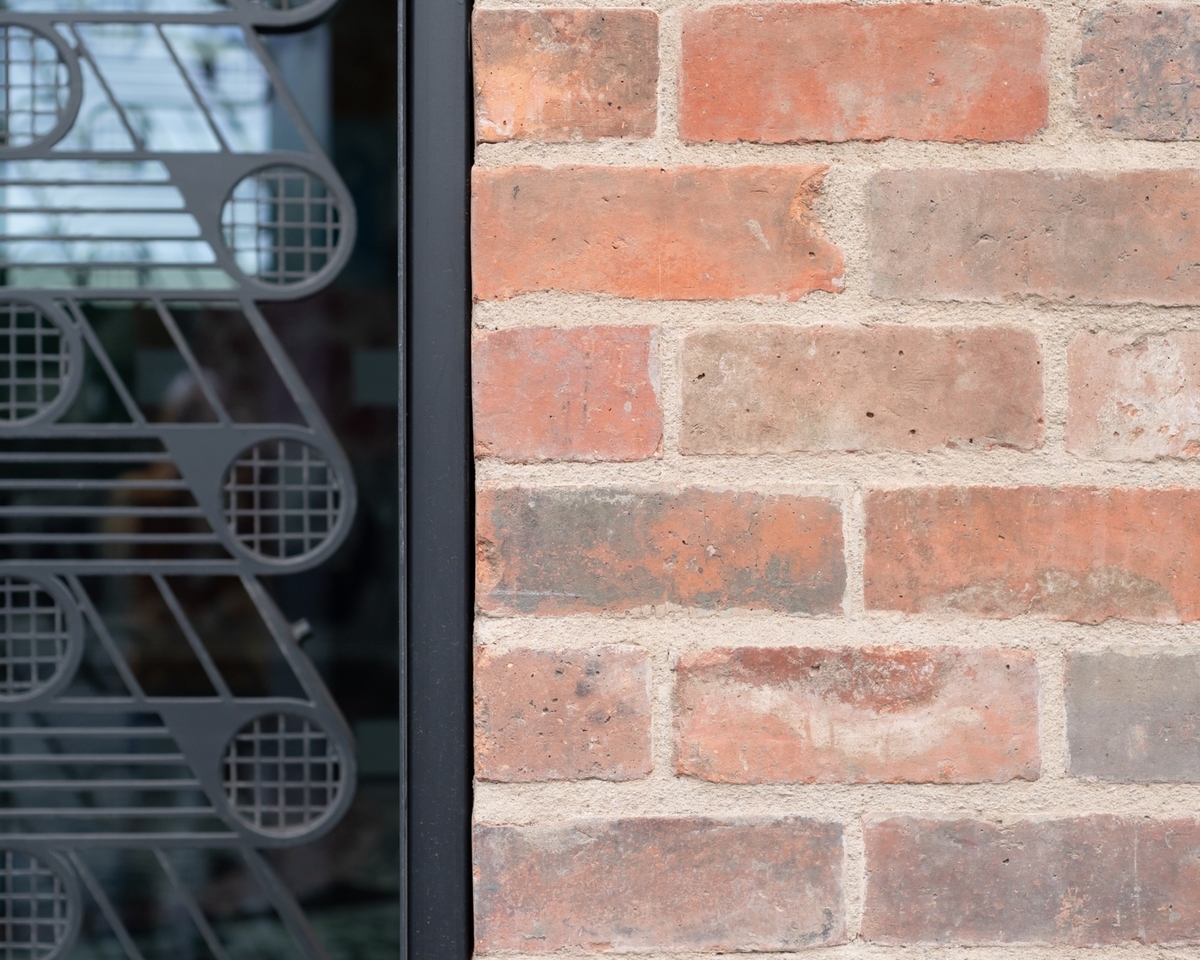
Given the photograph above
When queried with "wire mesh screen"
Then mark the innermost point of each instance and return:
(283, 225)
(282, 773)
(157, 182)
(34, 363)
(34, 637)
(282, 499)
(35, 910)
(35, 86)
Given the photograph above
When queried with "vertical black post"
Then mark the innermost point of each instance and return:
(440, 554)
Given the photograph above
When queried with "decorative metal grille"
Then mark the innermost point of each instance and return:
(135, 175)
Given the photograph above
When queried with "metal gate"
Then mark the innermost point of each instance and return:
(134, 178)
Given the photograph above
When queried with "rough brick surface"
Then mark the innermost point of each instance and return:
(1139, 72)
(682, 233)
(757, 715)
(1073, 553)
(1064, 235)
(562, 715)
(659, 884)
(554, 551)
(577, 394)
(776, 73)
(1134, 717)
(1088, 881)
(1134, 397)
(557, 75)
(776, 389)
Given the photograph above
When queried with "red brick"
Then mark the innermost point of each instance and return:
(775, 389)
(879, 714)
(659, 884)
(1063, 235)
(1138, 74)
(1087, 881)
(682, 233)
(779, 73)
(1073, 553)
(557, 551)
(1134, 398)
(562, 715)
(579, 394)
(556, 75)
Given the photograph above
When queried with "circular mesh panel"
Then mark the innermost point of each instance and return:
(35, 86)
(35, 637)
(35, 909)
(282, 224)
(282, 499)
(282, 773)
(34, 362)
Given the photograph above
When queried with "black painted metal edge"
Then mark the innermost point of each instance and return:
(439, 495)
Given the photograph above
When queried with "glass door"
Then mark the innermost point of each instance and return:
(199, 523)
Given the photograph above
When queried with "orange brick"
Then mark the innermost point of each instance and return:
(870, 715)
(581, 394)
(778, 73)
(776, 389)
(1064, 235)
(1074, 553)
(557, 551)
(557, 75)
(664, 884)
(1134, 398)
(1086, 881)
(562, 715)
(682, 233)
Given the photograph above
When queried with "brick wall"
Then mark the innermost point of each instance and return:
(837, 396)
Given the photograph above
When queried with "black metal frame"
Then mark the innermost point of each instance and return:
(437, 565)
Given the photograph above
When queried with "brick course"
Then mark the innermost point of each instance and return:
(777, 389)
(779, 73)
(762, 715)
(683, 233)
(658, 883)
(562, 714)
(1086, 881)
(582, 394)
(557, 75)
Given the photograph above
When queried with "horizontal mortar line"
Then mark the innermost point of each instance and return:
(1107, 156)
(549, 804)
(854, 308)
(835, 474)
(686, 631)
(859, 950)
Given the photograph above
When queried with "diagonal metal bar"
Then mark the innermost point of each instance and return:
(192, 907)
(106, 908)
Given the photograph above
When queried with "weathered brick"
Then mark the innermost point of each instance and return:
(1134, 717)
(1134, 398)
(777, 73)
(558, 75)
(555, 551)
(775, 389)
(879, 714)
(562, 714)
(578, 394)
(1072, 553)
(659, 884)
(1086, 881)
(681, 233)
(1138, 74)
(1063, 235)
